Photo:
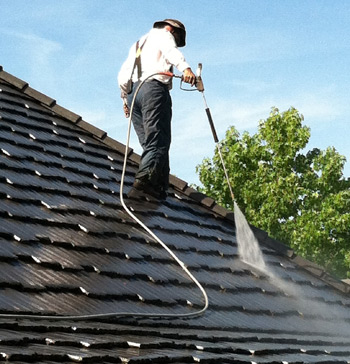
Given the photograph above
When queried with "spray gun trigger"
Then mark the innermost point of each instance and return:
(198, 82)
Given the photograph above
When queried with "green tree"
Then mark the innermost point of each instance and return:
(299, 198)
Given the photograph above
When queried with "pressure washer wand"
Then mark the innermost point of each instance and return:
(200, 88)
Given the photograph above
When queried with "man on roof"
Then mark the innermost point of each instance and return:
(157, 51)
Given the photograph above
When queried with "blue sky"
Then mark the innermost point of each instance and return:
(256, 54)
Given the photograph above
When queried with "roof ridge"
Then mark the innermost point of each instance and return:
(175, 182)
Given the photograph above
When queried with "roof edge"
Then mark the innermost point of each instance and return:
(18, 83)
(320, 272)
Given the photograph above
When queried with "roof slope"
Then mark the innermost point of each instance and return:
(67, 247)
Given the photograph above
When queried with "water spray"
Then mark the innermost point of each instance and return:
(248, 246)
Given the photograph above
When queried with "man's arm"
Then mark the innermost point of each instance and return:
(175, 57)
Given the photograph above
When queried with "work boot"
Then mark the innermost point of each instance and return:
(144, 186)
(137, 188)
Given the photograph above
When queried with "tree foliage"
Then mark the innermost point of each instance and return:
(299, 198)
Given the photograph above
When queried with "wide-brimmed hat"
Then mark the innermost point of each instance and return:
(176, 24)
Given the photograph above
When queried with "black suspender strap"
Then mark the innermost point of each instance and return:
(137, 62)
(133, 67)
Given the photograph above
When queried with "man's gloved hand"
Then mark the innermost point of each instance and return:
(126, 109)
(189, 76)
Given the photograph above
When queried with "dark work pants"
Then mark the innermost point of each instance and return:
(152, 122)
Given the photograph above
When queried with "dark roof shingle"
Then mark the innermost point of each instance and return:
(67, 247)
